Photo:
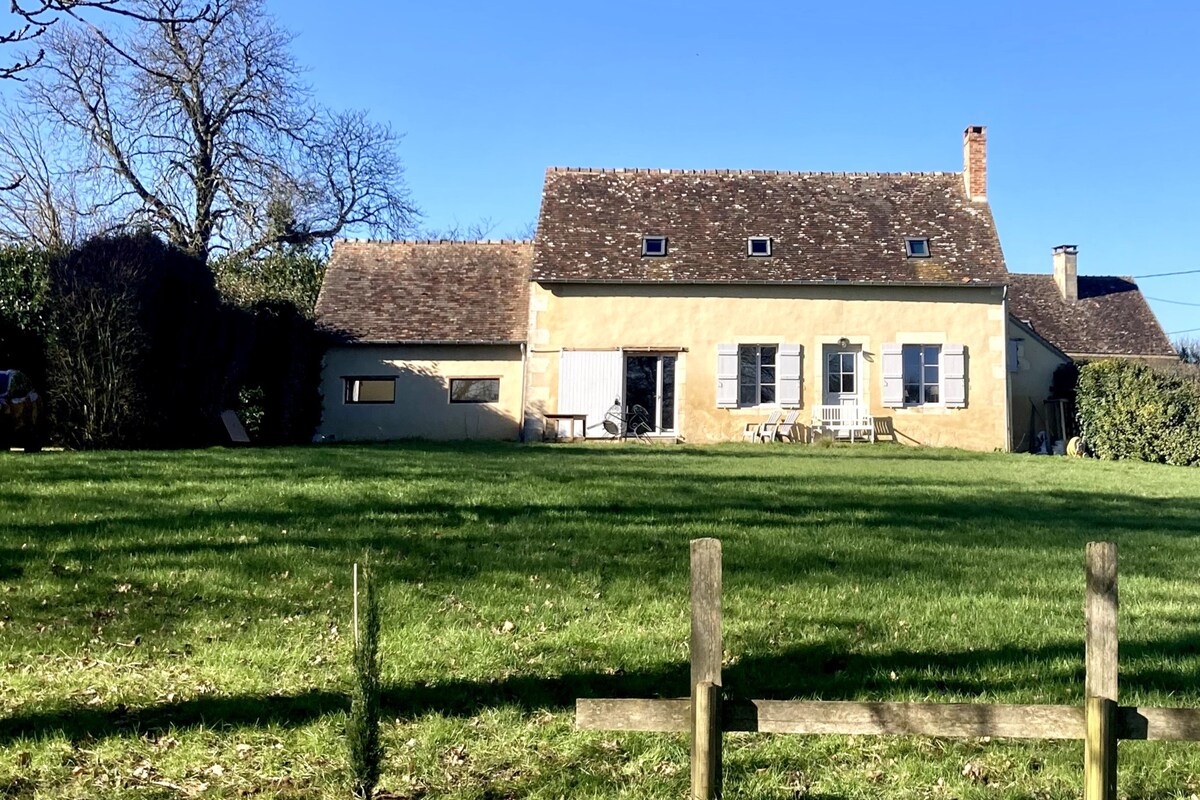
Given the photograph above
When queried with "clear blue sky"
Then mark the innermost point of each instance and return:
(1091, 107)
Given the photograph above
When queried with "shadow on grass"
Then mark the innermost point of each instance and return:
(816, 672)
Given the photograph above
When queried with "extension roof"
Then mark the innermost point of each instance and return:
(1110, 318)
(427, 292)
(825, 227)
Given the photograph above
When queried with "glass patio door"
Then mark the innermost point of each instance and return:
(649, 394)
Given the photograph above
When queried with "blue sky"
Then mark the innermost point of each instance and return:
(1090, 107)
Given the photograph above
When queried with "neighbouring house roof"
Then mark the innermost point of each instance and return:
(1111, 317)
(427, 292)
(825, 227)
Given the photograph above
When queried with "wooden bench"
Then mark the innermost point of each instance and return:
(844, 421)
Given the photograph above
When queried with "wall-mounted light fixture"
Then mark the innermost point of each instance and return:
(843, 342)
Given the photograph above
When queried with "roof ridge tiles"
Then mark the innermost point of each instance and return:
(351, 240)
(723, 172)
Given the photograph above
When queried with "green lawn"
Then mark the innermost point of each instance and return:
(177, 624)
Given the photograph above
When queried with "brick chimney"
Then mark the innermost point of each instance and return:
(1065, 276)
(975, 163)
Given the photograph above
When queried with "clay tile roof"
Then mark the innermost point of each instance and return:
(1110, 317)
(453, 292)
(824, 227)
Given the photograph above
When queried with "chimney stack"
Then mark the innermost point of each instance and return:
(1066, 278)
(975, 163)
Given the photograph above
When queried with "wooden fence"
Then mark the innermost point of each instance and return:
(1100, 722)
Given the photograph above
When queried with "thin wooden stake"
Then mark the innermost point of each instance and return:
(706, 741)
(1100, 606)
(706, 654)
(356, 605)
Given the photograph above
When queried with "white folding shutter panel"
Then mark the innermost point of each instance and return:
(789, 375)
(954, 375)
(589, 382)
(727, 376)
(893, 375)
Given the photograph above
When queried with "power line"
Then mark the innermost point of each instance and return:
(1188, 330)
(1168, 274)
(1174, 302)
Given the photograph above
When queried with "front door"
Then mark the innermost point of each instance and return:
(649, 394)
(842, 380)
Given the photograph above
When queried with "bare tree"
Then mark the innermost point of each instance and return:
(195, 124)
(1189, 349)
(40, 207)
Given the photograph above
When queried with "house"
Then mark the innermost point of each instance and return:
(701, 301)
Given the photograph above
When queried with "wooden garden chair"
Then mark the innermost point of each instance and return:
(754, 430)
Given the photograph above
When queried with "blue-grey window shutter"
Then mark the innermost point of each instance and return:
(727, 376)
(954, 375)
(789, 386)
(893, 375)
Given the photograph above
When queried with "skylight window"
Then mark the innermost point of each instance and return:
(758, 246)
(654, 245)
(916, 248)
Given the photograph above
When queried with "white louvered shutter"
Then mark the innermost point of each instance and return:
(789, 372)
(727, 376)
(589, 382)
(893, 375)
(954, 375)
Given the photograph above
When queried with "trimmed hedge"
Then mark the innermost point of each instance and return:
(1130, 410)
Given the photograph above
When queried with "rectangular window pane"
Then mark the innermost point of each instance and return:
(931, 373)
(747, 394)
(912, 364)
(767, 375)
(848, 383)
(370, 390)
(767, 394)
(474, 390)
(931, 393)
(847, 362)
(931, 355)
(767, 356)
(668, 393)
(835, 383)
(912, 393)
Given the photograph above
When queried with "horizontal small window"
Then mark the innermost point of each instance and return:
(370, 390)
(916, 248)
(654, 245)
(759, 246)
(474, 390)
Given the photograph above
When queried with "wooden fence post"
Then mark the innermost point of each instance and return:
(706, 654)
(1100, 747)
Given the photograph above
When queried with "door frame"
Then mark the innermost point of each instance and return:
(834, 348)
(656, 412)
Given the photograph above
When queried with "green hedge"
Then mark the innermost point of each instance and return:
(1130, 410)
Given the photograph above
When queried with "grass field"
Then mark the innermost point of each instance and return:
(177, 624)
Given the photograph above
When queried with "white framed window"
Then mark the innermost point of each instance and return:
(756, 374)
(922, 374)
(474, 390)
(368, 389)
(758, 246)
(654, 246)
(916, 247)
